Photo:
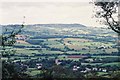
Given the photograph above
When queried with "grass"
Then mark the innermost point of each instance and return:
(105, 56)
(60, 46)
(26, 45)
(50, 52)
(112, 64)
(74, 43)
(26, 51)
(102, 73)
(34, 72)
(93, 64)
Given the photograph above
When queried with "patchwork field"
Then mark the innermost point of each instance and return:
(72, 46)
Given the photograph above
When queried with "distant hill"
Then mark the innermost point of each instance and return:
(46, 25)
(60, 25)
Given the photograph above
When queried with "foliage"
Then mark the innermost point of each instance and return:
(107, 11)
(9, 68)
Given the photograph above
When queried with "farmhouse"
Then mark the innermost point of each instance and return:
(20, 37)
(57, 62)
(39, 66)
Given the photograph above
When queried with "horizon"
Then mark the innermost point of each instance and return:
(101, 26)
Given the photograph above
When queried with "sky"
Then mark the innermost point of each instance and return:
(48, 12)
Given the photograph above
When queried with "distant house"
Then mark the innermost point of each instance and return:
(94, 69)
(57, 62)
(39, 66)
(88, 69)
(21, 37)
(75, 68)
(90, 60)
(104, 70)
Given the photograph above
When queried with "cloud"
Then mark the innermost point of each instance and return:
(48, 12)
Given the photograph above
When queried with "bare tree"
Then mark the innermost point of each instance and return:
(8, 40)
(108, 12)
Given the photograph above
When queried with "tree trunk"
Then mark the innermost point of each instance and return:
(119, 28)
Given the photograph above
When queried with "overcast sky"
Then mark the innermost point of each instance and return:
(47, 12)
